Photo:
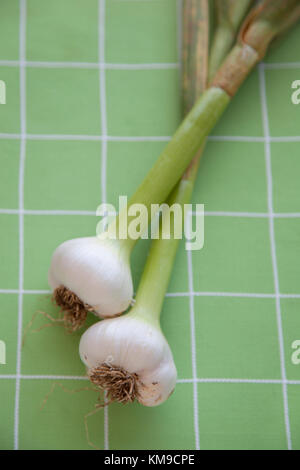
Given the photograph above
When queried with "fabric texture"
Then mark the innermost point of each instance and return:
(92, 96)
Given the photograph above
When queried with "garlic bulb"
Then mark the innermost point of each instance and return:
(92, 274)
(130, 358)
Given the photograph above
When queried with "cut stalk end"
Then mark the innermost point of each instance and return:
(269, 19)
(229, 16)
(264, 23)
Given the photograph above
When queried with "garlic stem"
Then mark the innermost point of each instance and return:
(229, 15)
(154, 282)
(195, 48)
(155, 279)
(179, 152)
(157, 271)
(261, 26)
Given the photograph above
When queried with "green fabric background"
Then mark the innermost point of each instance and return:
(237, 388)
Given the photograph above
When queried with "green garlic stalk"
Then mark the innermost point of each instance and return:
(94, 273)
(229, 15)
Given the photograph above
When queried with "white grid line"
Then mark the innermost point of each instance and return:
(273, 249)
(22, 35)
(52, 377)
(178, 382)
(102, 92)
(232, 214)
(250, 295)
(278, 215)
(102, 89)
(179, 7)
(281, 65)
(292, 138)
(232, 294)
(239, 381)
(23, 291)
(124, 66)
(193, 348)
(149, 138)
(235, 138)
(249, 139)
(91, 65)
(46, 212)
(86, 137)
(274, 215)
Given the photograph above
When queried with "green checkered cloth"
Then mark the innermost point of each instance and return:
(92, 96)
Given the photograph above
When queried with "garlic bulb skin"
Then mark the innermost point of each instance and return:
(97, 271)
(138, 347)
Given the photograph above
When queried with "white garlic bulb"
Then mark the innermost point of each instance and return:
(136, 350)
(97, 271)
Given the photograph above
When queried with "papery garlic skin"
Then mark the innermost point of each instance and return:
(97, 271)
(137, 346)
